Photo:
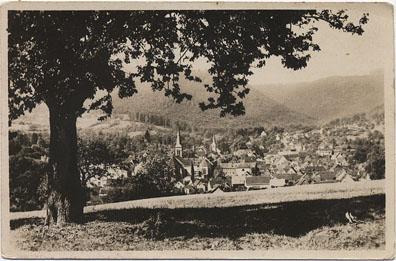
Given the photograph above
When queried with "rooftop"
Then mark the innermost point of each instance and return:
(257, 180)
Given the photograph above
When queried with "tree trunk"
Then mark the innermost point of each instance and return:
(65, 195)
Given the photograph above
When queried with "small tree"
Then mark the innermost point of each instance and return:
(371, 151)
(157, 177)
(376, 162)
(27, 174)
(147, 136)
(94, 159)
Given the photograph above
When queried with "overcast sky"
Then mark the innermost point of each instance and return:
(341, 53)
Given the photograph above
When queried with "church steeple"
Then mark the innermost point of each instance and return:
(213, 146)
(178, 146)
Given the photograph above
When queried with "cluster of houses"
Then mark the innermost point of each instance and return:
(296, 158)
(293, 165)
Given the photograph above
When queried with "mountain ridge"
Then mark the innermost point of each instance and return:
(305, 103)
(260, 110)
(332, 97)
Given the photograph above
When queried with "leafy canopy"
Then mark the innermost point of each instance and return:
(94, 159)
(63, 58)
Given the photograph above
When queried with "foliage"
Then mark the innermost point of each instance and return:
(94, 159)
(155, 178)
(356, 118)
(376, 162)
(26, 173)
(147, 136)
(83, 51)
(158, 120)
(156, 226)
(371, 151)
(64, 58)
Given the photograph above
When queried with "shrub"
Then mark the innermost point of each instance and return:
(156, 227)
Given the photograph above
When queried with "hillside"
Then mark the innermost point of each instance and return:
(255, 220)
(329, 191)
(267, 105)
(330, 98)
(260, 110)
(312, 225)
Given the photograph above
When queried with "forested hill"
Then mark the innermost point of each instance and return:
(330, 98)
(269, 105)
(260, 110)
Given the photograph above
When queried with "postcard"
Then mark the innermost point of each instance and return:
(197, 130)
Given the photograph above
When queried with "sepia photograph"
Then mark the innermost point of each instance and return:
(197, 130)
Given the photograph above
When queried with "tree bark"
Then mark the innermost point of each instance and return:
(65, 194)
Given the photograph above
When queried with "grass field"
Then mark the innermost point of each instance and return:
(316, 224)
(235, 199)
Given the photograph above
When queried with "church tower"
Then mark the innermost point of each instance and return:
(213, 146)
(178, 146)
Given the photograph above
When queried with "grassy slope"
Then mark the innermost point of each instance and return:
(119, 236)
(233, 199)
(300, 225)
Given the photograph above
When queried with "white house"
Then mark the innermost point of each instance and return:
(238, 180)
(179, 185)
(237, 169)
(275, 182)
(257, 182)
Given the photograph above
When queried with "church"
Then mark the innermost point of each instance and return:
(196, 168)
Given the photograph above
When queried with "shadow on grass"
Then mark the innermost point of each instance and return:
(290, 219)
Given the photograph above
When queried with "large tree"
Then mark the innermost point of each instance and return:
(64, 58)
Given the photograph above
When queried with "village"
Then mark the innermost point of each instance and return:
(295, 165)
(186, 130)
(313, 156)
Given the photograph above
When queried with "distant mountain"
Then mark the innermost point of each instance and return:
(260, 110)
(330, 98)
(268, 105)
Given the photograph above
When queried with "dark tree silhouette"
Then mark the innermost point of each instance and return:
(63, 58)
(147, 136)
